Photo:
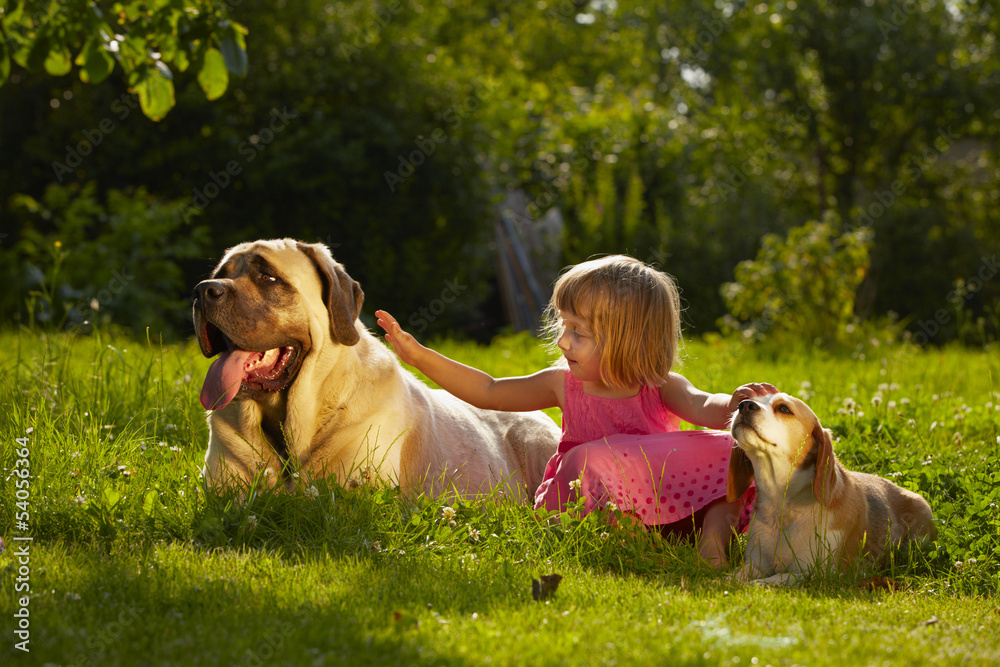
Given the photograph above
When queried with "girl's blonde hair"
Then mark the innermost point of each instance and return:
(634, 314)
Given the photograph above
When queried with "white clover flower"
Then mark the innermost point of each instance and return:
(891, 405)
(377, 546)
(575, 485)
(605, 535)
(904, 401)
(895, 474)
(80, 500)
(474, 534)
(452, 524)
(957, 438)
(959, 564)
(448, 513)
(876, 400)
(612, 506)
(251, 522)
(353, 483)
(860, 415)
(312, 492)
(894, 387)
(883, 387)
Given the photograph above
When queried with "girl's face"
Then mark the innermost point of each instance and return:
(579, 348)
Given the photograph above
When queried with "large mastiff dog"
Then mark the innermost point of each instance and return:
(301, 386)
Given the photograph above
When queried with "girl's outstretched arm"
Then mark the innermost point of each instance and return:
(543, 389)
(699, 407)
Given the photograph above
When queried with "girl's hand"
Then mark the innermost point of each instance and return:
(406, 346)
(749, 391)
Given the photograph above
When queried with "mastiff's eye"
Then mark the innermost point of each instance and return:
(268, 277)
(785, 409)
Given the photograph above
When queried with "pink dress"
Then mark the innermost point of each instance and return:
(629, 451)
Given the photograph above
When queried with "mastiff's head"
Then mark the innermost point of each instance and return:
(255, 313)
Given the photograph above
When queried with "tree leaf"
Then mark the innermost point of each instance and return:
(234, 55)
(213, 77)
(37, 53)
(156, 94)
(59, 61)
(181, 61)
(4, 62)
(96, 62)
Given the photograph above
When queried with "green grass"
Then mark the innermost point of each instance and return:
(133, 563)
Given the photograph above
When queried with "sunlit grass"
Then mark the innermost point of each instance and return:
(133, 563)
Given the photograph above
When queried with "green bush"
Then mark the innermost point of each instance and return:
(804, 284)
(79, 260)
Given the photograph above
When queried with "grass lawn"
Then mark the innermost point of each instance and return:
(132, 563)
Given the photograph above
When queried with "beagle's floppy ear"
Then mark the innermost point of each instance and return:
(740, 474)
(825, 481)
(342, 294)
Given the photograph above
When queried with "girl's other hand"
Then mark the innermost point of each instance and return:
(406, 346)
(749, 391)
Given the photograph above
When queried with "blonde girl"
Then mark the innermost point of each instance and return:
(616, 322)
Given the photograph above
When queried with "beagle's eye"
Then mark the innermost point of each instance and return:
(784, 409)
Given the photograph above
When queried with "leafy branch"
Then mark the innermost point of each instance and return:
(149, 41)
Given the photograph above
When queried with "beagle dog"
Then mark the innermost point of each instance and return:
(810, 510)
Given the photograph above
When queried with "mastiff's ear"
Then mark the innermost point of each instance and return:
(740, 474)
(342, 294)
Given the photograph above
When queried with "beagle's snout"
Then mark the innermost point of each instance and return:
(747, 406)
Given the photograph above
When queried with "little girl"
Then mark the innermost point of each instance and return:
(617, 323)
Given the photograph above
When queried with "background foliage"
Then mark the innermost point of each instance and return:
(679, 133)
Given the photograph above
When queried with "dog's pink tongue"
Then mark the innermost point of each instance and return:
(223, 380)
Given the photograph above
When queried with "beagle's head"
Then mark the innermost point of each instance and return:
(783, 431)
